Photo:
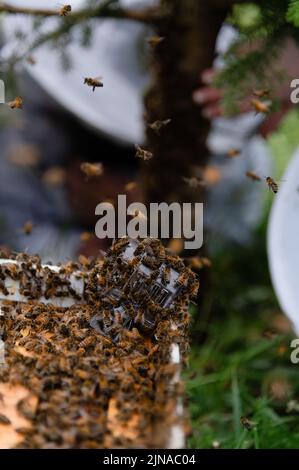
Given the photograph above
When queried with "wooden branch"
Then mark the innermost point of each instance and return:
(6, 8)
(148, 15)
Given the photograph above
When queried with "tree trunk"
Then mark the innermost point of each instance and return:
(190, 28)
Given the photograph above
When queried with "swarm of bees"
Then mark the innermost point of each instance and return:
(92, 170)
(85, 384)
(93, 82)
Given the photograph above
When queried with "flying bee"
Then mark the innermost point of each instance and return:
(260, 106)
(272, 184)
(94, 82)
(54, 176)
(131, 186)
(65, 10)
(211, 174)
(194, 182)
(176, 245)
(139, 214)
(260, 93)
(92, 170)
(143, 154)
(232, 153)
(27, 228)
(155, 40)
(86, 236)
(246, 423)
(253, 176)
(17, 103)
(31, 60)
(156, 126)
(199, 262)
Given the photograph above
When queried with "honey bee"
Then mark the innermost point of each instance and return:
(28, 406)
(24, 155)
(93, 82)
(27, 228)
(89, 341)
(155, 40)
(272, 184)
(84, 261)
(143, 154)
(3, 288)
(182, 279)
(54, 176)
(17, 103)
(211, 174)
(92, 170)
(134, 262)
(260, 93)
(31, 60)
(270, 334)
(176, 245)
(131, 186)
(86, 236)
(65, 10)
(4, 419)
(124, 344)
(158, 125)
(232, 153)
(253, 176)
(139, 214)
(194, 182)
(246, 423)
(260, 106)
(166, 275)
(161, 254)
(12, 271)
(150, 261)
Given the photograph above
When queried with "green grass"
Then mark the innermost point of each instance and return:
(234, 370)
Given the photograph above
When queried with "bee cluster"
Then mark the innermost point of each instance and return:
(100, 372)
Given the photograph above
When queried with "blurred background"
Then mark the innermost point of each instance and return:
(243, 390)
